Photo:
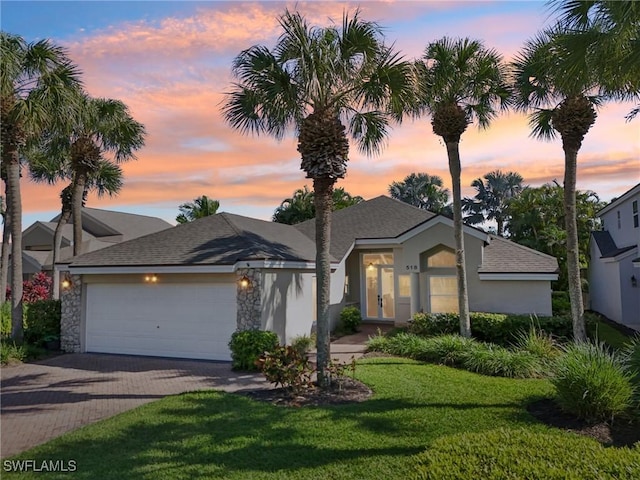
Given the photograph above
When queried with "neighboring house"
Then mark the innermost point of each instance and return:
(614, 275)
(182, 292)
(100, 229)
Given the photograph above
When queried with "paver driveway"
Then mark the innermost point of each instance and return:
(40, 401)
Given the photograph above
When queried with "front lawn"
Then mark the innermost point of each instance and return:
(415, 406)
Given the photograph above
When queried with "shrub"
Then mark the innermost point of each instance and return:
(431, 324)
(560, 303)
(42, 322)
(592, 382)
(248, 345)
(303, 343)
(511, 454)
(537, 343)
(378, 343)
(5, 319)
(286, 367)
(498, 361)
(11, 353)
(350, 319)
(447, 349)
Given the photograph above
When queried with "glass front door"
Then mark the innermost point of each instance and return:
(379, 291)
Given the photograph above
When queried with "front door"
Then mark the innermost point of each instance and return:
(379, 291)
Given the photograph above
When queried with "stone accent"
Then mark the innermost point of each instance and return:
(70, 323)
(249, 299)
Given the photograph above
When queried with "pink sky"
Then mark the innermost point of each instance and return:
(172, 73)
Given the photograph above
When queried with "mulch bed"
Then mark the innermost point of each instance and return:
(346, 390)
(622, 433)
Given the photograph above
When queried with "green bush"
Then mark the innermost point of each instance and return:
(378, 343)
(499, 328)
(592, 382)
(498, 361)
(447, 349)
(303, 343)
(42, 322)
(5, 319)
(560, 303)
(538, 343)
(286, 367)
(11, 353)
(350, 320)
(519, 454)
(248, 345)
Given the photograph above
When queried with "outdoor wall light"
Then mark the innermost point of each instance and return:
(245, 282)
(370, 266)
(66, 281)
(151, 278)
(634, 281)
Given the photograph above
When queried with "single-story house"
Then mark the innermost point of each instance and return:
(182, 292)
(614, 270)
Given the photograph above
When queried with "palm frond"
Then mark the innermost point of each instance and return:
(369, 130)
(540, 123)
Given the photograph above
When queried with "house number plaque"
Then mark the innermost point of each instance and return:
(412, 268)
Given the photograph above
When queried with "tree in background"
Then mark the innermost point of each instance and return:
(201, 207)
(324, 83)
(44, 167)
(300, 206)
(460, 81)
(538, 221)
(491, 200)
(38, 85)
(423, 191)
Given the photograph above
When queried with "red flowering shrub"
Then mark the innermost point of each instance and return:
(36, 289)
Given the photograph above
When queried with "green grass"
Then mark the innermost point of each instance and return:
(218, 435)
(613, 337)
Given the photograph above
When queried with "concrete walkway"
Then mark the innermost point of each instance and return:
(42, 400)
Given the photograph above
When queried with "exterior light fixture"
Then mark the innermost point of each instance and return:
(634, 281)
(66, 281)
(245, 282)
(370, 266)
(151, 278)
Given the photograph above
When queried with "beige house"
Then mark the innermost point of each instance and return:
(182, 292)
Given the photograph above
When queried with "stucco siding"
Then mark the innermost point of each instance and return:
(337, 295)
(630, 295)
(604, 286)
(521, 297)
(287, 303)
(626, 234)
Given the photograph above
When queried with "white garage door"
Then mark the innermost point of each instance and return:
(169, 320)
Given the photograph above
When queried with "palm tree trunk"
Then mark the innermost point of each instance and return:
(323, 188)
(15, 220)
(77, 201)
(500, 223)
(4, 268)
(65, 215)
(453, 153)
(573, 254)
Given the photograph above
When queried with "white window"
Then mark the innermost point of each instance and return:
(443, 294)
(636, 221)
(404, 285)
(442, 259)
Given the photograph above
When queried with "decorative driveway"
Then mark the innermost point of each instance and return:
(41, 401)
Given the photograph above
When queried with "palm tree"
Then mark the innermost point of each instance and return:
(37, 82)
(460, 81)
(421, 190)
(324, 83)
(4, 258)
(201, 207)
(106, 178)
(299, 207)
(606, 35)
(565, 104)
(493, 195)
(101, 126)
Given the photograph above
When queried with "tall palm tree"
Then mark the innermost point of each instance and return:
(202, 206)
(421, 190)
(106, 178)
(460, 81)
(560, 104)
(37, 82)
(606, 34)
(100, 127)
(4, 256)
(493, 195)
(324, 83)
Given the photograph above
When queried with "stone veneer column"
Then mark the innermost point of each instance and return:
(70, 328)
(249, 311)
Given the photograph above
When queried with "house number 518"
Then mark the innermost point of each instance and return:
(412, 267)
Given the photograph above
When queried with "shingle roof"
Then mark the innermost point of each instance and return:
(380, 217)
(504, 256)
(607, 246)
(221, 239)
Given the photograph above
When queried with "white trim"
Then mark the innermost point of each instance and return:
(377, 242)
(518, 276)
(445, 221)
(629, 253)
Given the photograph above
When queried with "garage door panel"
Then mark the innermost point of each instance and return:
(174, 320)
